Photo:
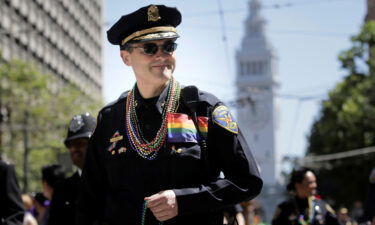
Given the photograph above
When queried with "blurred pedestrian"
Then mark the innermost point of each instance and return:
(51, 175)
(65, 196)
(370, 207)
(157, 152)
(41, 204)
(344, 218)
(234, 215)
(357, 211)
(303, 206)
(11, 207)
(253, 213)
(29, 218)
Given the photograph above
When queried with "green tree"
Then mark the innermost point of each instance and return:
(347, 122)
(34, 105)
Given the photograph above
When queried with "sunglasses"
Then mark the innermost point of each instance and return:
(152, 48)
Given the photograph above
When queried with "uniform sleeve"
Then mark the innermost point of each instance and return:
(56, 204)
(14, 212)
(280, 216)
(227, 152)
(330, 216)
(93, 187)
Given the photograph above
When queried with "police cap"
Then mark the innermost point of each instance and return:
(81, 126)
(153, 22)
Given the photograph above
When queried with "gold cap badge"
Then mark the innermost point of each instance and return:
(153, 13)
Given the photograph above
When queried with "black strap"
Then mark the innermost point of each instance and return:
(190, 97)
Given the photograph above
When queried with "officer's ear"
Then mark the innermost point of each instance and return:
(125, 56)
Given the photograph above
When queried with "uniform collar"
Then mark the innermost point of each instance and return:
(142, 102)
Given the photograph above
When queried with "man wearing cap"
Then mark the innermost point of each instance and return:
(11, 207)
(158, 150)
(65, 196)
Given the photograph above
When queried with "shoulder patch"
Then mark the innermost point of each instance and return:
(223, 118)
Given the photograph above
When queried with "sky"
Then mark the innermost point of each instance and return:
(307, 36)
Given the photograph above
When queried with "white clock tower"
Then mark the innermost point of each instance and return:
(256, 113)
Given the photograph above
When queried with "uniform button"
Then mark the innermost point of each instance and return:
(147, 126)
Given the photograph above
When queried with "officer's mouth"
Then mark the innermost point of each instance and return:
(163, 66)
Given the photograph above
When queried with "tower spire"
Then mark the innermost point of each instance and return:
(255, 22)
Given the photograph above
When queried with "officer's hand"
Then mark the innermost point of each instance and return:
(163, 205)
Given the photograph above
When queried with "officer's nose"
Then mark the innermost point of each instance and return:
(160, 52)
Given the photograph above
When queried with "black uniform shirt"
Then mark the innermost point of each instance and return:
(64, 201)
(116, 179)
(295, 210)
(11, 207)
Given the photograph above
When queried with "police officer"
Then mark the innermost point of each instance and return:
(11, 206)
(65, 196)
(303, 207)
(157, 152)
(370, 204)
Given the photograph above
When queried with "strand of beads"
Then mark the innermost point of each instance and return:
(144, 209)
(149, 150)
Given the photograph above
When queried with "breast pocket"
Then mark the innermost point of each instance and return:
(120, 165)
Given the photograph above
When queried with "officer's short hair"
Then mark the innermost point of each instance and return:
(127, 47)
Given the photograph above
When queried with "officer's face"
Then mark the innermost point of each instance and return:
(307, 187)
(77, 149)
(150, 69)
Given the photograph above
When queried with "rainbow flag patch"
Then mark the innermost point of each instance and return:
(181, 128)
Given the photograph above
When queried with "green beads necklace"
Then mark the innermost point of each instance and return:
(145, 149)
(143, 219)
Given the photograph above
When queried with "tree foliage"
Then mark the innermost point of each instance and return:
(347, 122)
(40, 106)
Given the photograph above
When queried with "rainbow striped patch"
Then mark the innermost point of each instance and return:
(181, 128)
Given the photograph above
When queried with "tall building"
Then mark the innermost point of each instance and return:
(256, 81)
(59, 37)
(370, 10)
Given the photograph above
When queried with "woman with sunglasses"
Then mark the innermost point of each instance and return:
(158, 151)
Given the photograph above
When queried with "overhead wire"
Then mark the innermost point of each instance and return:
(335, 156)
(272, 6)
(224, 33)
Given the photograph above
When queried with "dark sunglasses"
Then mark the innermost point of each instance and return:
(152, 48)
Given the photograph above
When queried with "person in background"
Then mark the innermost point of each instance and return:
(303, 206)
(40, 203)
(11, 206)
(65, 196)
(29, 218)
(343, 217)
(357, 212)
(370, 207)
(51, 175)
(234, 215)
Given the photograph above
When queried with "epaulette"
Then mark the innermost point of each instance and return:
(119, 99)
(208, 98)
